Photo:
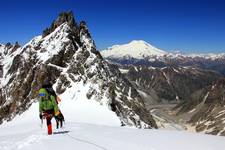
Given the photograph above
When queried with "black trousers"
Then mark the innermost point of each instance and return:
(49, 114)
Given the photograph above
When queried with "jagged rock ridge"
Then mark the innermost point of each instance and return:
(169, 84)
(66, 56)
(195, 83)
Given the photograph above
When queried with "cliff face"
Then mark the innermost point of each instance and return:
(65, 55)
(207, 109)
(169, 84)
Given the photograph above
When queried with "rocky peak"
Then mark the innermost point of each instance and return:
(83, 27)
(8, 48)
(65, 17)
(62, 18)
(17, 44)
(15, 47)
(66, 56)
(8, 45)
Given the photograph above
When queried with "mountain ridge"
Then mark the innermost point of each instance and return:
(192, 84)
(111, 52)
(67, 57)
(215, 62)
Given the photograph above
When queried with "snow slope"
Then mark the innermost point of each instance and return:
(135, 49)
(26, 133)
(67, 56)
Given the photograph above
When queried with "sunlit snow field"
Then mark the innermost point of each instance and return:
(92, 126)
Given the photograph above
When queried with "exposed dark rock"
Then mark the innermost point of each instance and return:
(209, 106)
(1, 70)
(16, 64)
(15, 47)
(83, 27)
(62, 18)
(8, 45)
(170, 84)
(71, 58)
(217, 64)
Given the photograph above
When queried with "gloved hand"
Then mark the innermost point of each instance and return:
(40, 116)
(59, 117)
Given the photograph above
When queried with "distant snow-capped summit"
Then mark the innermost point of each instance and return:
(135, 49)
(65, 56)
(139, 49)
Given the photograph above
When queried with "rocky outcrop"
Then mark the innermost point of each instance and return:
(207, 109)
(64, 17)
(65, 55)
(215, 64)
(170, 84)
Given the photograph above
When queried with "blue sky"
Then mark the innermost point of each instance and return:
(187, 25)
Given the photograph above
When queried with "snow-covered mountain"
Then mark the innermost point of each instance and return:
(211, 56)
(139, 49)
(179, 79)
(142, 53)
(193, 97)
(135, 49)
(65, 55)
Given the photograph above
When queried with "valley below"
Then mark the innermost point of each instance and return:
(166, 118)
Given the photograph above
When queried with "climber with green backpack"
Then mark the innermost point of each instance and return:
(48, 107)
